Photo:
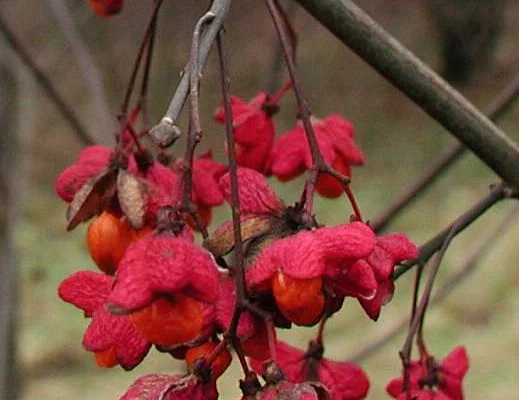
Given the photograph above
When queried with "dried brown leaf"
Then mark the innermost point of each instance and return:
(92, 198)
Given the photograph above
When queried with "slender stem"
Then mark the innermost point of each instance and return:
(135, 137)
(495, 110)
(281, 92)
(353, 202)
(146, 41)
(194, 78)
(241, 357)
(424, 301)
(269, 325)
(274, 77)
(45, 83)
(239, 268)
(390, 58)
(303, 106)
(216, 352)
(233, 169)
(419, 272)
(195, 129)
(143, 96)
(416, 290)
(405, 357)
(128, 126)
(448, 286)
(406, 384)
(320, 330)
(496, 194)
(319, 165)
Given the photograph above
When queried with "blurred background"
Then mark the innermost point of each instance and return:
(474, 44)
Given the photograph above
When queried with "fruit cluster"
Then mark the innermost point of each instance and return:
(157, 286)
(198, 300)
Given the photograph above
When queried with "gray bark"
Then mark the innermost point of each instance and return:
(8, 262)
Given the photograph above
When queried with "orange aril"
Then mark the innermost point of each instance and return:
(299, 300)
(108, 237)
(305, 316)
(106, 358)
(169, 321)
(293, 293)
(220, 363)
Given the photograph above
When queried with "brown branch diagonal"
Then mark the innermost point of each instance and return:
(495, 110)
(464, 272)
(496, 194)
(403, 69)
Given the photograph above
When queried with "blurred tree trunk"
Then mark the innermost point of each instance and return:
(469, 31)
(8, 263)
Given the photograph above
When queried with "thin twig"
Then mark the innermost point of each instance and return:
(376, 46)
(418, 317)
(301, 102)
(239, 267)
(416, 289)
(166, 132)
(498, 193)
(274, 77)
(464, 271)
(146, 40)
(46, 85)
(143, 95)
(195, 129)
(495, 110)
(194, 78)
(319, 165)
(233, 168)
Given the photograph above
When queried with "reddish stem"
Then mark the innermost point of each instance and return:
(281, 92)
(147, 67)
(134, 136)
(269, 325)
(239, 269)
(145, 40)
(353, 202)
(428, 249)
(128, 126)
(220, 347)
(233, 169)
(239, 352)
(318, 163)
(320, 331)
(271, 337)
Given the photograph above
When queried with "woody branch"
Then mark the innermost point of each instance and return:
(370, 41)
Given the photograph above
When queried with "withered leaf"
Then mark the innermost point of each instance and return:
(131, 193)
(92, 198)
(221, 242)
